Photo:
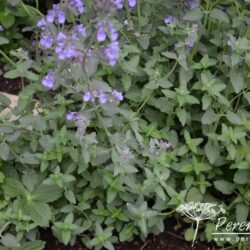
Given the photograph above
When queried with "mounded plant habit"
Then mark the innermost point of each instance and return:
(142, 107)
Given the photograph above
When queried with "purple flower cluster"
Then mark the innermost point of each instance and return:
(77, 5)
(156, 145)
(102, 97)
(1, 28)
(47, 38)
(111, 53)
(164, 145)
(73, 116)
(192, 36)
(81, 122)
(105, 28)
(125, 155)
(132, 3)
(65, 47)
(118, 4)
(169, 19)
(48, 81)
(193, 4)
(56, 12)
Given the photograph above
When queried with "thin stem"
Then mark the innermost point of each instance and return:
(194, 51)
(196, 231)
(29, 10)
(37, 4)
(139, 14)
(168, 213)
(7, 58)
(128, 13)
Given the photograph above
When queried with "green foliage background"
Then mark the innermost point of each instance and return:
(197, 99)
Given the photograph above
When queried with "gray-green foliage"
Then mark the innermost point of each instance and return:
(196, 98)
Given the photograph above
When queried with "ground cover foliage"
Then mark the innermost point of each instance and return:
(133, 108)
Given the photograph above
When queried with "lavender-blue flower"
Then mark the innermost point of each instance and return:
(48, 81)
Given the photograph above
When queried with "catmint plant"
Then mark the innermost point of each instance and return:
(133, 109)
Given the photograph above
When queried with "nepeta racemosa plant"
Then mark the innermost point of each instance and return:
(70, 42)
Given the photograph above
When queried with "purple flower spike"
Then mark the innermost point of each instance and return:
(70, 116)
(169, 19)
(81, 30)
(61, 17)
(77, 5)
(101, 35)
(87, 97)
(50, 17)
(117, 95)
(164, 145)
(1, 28)
(193, 4)
(132, 3)
(41, 23)
(102, 97)
(118, 4)
(47, 40)
(113, 32)
(112, 53)
(60, 37)
(190, 43)
(48, 81)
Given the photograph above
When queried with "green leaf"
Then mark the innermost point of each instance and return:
(193, 15)
(237, 81)
(66, 235)
(233, 118)
(29, 158)
(39, 212)
(9, 240)
(170, 55)
(242, 177)
(219, 15)
(131, 65)
(189, 234)
(209, 117)
(194, 195)
(144, 41)
(4, 100)
(210, 228)
(185, 76)
(7, 19)
(247, 95)
(36, 245)
(70, 196)
(224, 187)
(12, 74)
(212, 152)
(44, 193)
(182, 115)
(3, 40)
(14, 188)
(4, 151)
(242, 211)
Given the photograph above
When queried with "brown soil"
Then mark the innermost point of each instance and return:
(168, 240)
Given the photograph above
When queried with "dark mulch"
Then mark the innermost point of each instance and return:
(168, 240)
(10, 86)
